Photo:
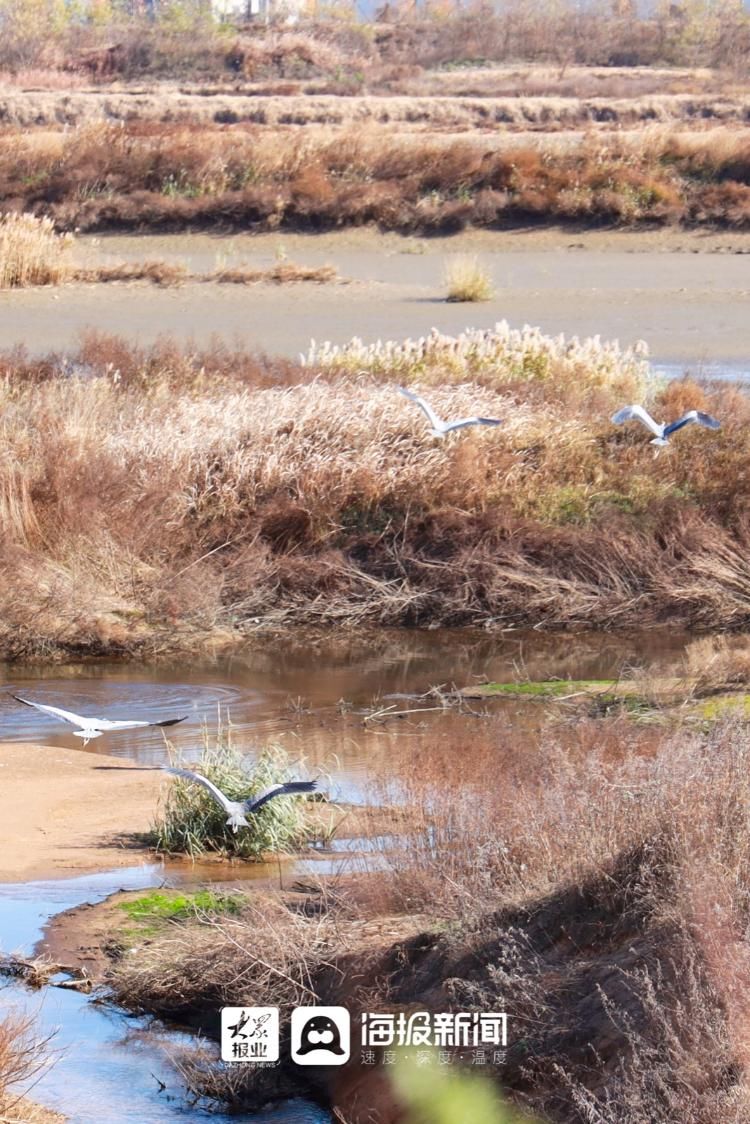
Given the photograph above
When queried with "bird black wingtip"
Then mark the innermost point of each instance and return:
(172, 721)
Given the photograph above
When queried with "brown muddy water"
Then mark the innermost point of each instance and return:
(685, 294)
(316, 697)
(313, 697)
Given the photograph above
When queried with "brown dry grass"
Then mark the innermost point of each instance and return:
(467, 280)
(151, 497)
(172, 176)
(173, 273)
(288, 108)
(32, 253)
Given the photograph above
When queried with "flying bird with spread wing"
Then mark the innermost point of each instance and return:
(94, 727)
(438, 427)
(662, 432)
(238, 810)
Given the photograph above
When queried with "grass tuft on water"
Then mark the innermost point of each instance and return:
(192, 823)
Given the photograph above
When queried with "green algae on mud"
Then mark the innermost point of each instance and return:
(665, 698)
(156, 906)
(548, 689)
(719, 706)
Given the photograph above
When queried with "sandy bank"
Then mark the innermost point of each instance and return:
(67, 811)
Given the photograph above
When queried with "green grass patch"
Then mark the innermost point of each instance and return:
(720, 705)
(546, 689)
(158, 906)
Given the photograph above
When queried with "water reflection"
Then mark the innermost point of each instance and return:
(291, 693)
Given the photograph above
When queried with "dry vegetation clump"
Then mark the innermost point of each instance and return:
(173, 176)
(283, 273)
(193, 970)
(151, 497)
(31, 252)
(467, 280)
(600, 898)
(714, 664)
(166, 274)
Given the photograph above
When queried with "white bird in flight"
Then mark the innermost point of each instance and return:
(438, 427)
(93, 727)
(238, 810)
(662, 432)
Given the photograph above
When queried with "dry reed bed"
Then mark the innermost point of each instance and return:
(109, 176)
(600, 896)
(152, 498)
(413, 112)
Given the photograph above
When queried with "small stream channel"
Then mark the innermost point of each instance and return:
(109, 1063)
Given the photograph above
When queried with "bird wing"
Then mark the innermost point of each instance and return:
(132, 724)
(471, 421)
(434, 420)
(188, 775)
(255, 803)
(628, 413)
(692, 416)
(58, 712)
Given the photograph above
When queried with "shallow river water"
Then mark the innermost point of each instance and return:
(292, 694)
(106, 1066)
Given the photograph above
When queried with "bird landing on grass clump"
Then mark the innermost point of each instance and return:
(239, 809)
(662, 432)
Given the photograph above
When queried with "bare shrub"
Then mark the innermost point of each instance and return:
(23, 1058)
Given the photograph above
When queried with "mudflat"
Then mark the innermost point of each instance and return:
(68, 811)
(685, 293)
